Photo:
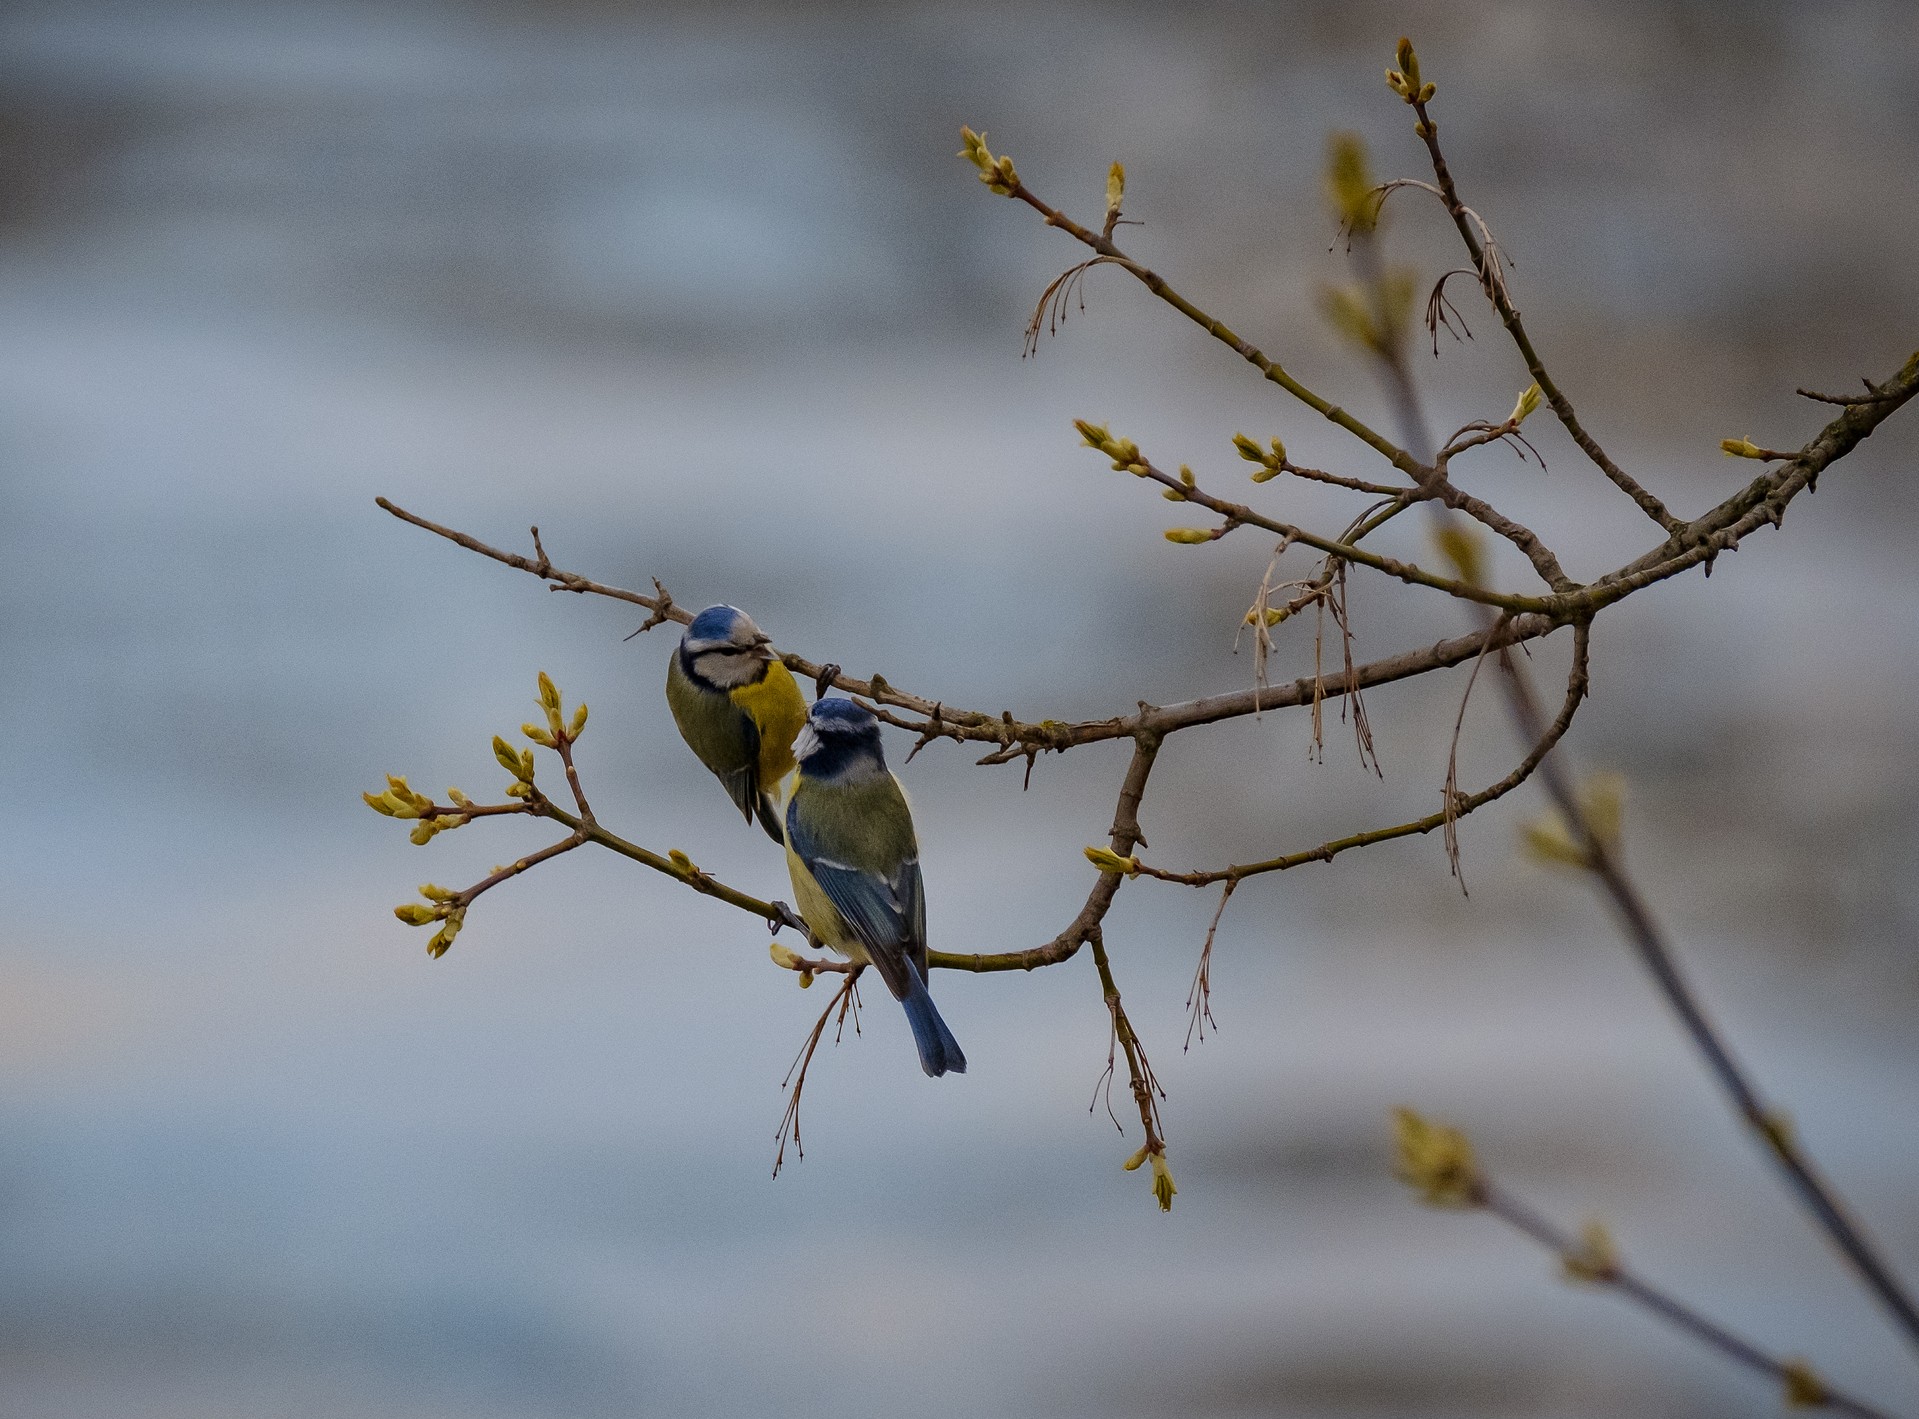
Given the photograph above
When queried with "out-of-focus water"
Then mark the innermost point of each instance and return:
(706, 296)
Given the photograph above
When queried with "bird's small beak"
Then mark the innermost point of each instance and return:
(763, 648)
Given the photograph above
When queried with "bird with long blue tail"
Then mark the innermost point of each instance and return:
(738, 709)
(854, 860)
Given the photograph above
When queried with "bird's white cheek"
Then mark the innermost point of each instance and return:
(808, 741)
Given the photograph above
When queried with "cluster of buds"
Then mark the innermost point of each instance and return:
(519, 763)
(1405, 80)
(1602, 809)
(1436, 1162)
(1271, 463)
(997, 173)
(440, 905)
(1163, 1188)
(401, 801)
(1106, 860)
(788, 959)
(1124, 452)
(556, 731)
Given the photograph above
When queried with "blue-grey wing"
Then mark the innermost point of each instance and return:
(912, 891)
(877, 911)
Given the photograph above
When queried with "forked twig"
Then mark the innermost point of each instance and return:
(1199, 999)
(844, 1002)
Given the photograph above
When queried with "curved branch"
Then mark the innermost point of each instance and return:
(1576, 685)
(1761, 502)
(1085, 927)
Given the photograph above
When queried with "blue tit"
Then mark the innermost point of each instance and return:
(737, 708)
(855, 865)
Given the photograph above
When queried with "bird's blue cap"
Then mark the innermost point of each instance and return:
(837, 716)
(838, 737)
(715, 623)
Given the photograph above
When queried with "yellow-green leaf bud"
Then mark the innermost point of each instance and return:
(1602, 799)
(459, 799)
(1741, 448)
(549, 692)
(378, 804)
(1274, 615)
(1408, 61)
(1173, 495)
(579, 722)
(1249, 449)
(1115, 186)
(1345, 309)
(1804, 1388)
(1435, 1161)
(526, 766)
(1132, 1164)
(1529, 398)
(784, 958)
(537, 735)
(1427, 91)
(1267, 472)
(1465, 549)
(1547, 841)
(415, 913)
(1106, 860)
(508, 756)
(973, 148)
(1163, 1188)
(399, 791)
(681, 862)
(443, 938)
(423, 832)
(519, 789)
(1188, 536)
(436, 894)
(1596, 1258)
(1349, 183)
(1093, 435)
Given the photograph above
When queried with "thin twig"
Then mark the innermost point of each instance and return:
(843, 1001)
(1493, 282)
(1199, 999)
(1793, 1378)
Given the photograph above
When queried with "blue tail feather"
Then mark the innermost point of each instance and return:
(939, 1051)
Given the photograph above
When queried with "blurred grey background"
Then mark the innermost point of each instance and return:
(705, 294)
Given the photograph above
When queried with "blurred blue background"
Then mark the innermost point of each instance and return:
(706, 295)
